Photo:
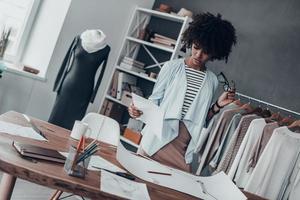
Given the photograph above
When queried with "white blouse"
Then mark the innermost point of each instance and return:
(277, 161)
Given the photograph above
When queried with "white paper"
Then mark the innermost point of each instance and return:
(210, 188)
(100, 162)
(23, 131)
(113, 184)
(152, 115)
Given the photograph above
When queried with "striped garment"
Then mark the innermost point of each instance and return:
(194, 82)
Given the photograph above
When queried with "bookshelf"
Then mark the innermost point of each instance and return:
(141, 59)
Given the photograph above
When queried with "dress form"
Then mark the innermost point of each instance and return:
(74, 83)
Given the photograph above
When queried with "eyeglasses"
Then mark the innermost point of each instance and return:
(226, 84)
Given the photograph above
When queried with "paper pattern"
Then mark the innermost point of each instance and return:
(113, 184)
(23, 131)
(152, 115)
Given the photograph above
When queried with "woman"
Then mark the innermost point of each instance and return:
(185, 89)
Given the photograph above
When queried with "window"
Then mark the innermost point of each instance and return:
(17, 15)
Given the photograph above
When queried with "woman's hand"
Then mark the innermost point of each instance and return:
(133, 111)
(226, 98)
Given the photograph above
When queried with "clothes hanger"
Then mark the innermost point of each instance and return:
(266, 113)
(276, 116)
(295, 129)
(248, 107)
(273, 116)
(286, 121)
(238, 101)
(294, 124)
(257, 110)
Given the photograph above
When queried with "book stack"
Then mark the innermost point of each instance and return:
(163, 40)
(133, 65)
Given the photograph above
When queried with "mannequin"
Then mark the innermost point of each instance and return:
(74, 83)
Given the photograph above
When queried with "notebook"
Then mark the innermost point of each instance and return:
(32, 151)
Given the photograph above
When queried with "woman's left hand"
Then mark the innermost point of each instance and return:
(226, 98)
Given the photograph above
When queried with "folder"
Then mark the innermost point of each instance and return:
(103, 107)
(32, 151)
(114, 85)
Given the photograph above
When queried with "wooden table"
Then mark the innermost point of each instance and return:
(53, 175)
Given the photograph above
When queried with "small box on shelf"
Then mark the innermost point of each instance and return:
(126, 98)
(133, 136)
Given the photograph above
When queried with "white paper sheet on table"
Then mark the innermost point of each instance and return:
(23, 131)
(100, 162)
(123, 187)
(152, 115)
(214, 187)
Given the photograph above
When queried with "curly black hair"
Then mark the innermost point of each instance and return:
(216, 36)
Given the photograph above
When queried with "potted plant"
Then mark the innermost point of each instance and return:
(4, 40)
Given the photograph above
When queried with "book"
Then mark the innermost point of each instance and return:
(133, 61)
(164, 37)
(161, 41)
(132, 68)
(164, 45)
(133, 64)
(32, 151)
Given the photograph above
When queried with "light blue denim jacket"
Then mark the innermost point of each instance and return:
(168, 93)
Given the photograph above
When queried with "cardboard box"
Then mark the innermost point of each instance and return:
(133, 136)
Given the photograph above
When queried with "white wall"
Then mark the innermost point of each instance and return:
(36, 98)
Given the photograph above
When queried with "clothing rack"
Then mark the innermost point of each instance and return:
(268, 104)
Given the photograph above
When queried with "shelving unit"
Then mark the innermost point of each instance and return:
(152, 54)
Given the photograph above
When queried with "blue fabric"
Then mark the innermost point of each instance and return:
(168, 93)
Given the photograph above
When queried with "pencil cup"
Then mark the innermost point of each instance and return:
(72, 167)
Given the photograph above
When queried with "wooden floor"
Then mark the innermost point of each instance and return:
(28, 191)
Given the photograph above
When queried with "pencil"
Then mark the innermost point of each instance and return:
(89, 145)
(160, 173)
(80, 143)
(87, 155)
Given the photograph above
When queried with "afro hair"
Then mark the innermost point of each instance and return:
(216, 36)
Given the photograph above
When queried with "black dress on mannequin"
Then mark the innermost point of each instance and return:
(74, 83)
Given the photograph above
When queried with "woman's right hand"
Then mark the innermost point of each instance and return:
(133, 111)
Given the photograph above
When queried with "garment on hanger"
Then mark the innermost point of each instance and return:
(220, 134)
(74, 83)
(292, 191)
(272, 172)
(261, 143)
(214, 139)
(207, 136)
(238, 171)
(233, 124)
(235, 143)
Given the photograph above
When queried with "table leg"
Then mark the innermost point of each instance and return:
(56, 195)
(7, 186)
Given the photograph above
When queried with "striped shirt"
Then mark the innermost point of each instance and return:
(194, 82)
